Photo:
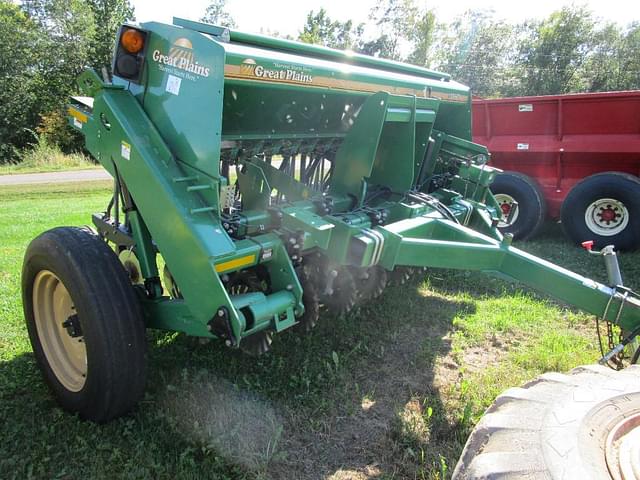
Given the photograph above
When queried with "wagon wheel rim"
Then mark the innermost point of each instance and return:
(506, 203)
(63, 346)
(606, 217)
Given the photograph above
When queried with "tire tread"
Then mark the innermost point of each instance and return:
(119, 343)
(509, 440)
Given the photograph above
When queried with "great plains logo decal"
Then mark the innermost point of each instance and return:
(182, 58)
(279, 72)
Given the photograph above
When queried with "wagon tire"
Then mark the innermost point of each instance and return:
(604, 208)
(532, 208)
(94, 364)
(557, 426)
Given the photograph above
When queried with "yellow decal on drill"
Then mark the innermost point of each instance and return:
(235, 263)
(78, 115)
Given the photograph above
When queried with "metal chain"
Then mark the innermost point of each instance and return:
(617, 362)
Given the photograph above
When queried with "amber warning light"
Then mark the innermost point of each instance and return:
(132, 40)
(129, 58)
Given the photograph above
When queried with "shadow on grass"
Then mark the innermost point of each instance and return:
(348, 400)
(355, 399)
(39, 440)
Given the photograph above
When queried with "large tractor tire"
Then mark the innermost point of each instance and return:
(584, 425)
(85, 323)
(511, 189)
(604, 208)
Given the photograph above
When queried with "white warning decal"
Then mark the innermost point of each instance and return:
(173, 84)
(125, 150)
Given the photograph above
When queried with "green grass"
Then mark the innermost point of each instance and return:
(47, 158)
(390, 391)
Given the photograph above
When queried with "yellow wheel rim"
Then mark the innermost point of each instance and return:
(65, 353)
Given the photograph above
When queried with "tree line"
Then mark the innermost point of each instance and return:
(47, 43)
(568, 51)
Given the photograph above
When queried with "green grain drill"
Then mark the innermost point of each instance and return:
(274, 180)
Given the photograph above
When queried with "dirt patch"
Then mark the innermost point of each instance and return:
(371, 442)
(361, 440)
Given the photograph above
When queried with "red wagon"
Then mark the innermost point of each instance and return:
(570, 157)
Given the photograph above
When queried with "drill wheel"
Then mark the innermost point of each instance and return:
(343, 295)
(371, 282)
(257, 344)
(399, 276)
(419, 273)
(245, 282)
(311, 302)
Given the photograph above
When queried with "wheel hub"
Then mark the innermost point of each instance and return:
(506, 203)
(606, 217)
(72, 326)
(622, 449)
(58, 328)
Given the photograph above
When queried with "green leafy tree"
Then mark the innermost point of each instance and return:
(395, 20)
(19, 50)
(614, 62)
(629, 55)
(382, 46)
(402, 27)
(216, 14)
(478, 51)
(422, 37)
(552, 52)
(321, 30)
(108, 15)
(66, 30)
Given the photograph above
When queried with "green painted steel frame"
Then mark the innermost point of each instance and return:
(439, 243)
(188, 235)
(168, 154)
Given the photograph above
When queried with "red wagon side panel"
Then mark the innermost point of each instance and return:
(561, 139)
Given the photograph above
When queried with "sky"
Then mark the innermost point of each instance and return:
(288, 16)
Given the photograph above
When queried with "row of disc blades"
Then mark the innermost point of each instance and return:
(334, 288)
(337, 289)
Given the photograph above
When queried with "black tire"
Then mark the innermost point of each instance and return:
(588, 198)
(109, 316)
(553, 427)
(532, 208)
